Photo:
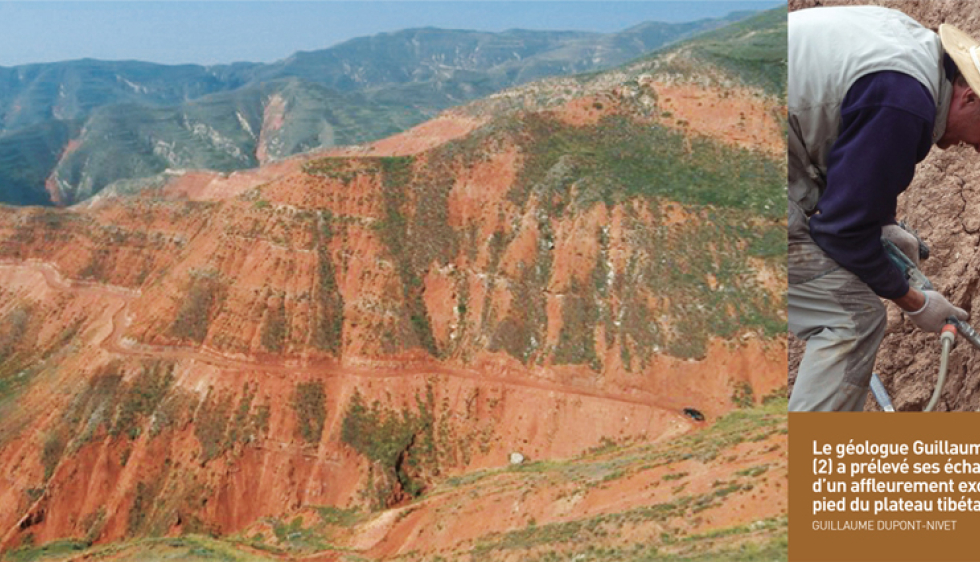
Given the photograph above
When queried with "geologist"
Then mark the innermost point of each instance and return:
(870, 91)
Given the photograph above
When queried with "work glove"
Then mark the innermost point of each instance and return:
(906, 242)
(932, 316)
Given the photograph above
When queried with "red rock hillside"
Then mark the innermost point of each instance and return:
(559, 267)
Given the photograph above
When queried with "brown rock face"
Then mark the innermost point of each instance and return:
(943, 204)
(352, 329)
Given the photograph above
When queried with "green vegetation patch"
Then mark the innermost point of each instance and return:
(619, 159)
(143, 503)
(211, 426)
(753, 50)
(576, 341)
(204, 295)
(13, 329)
(187, 548)
(219, 429)
(702, 283)
(16, 359)
(309, 403)
(54, 447)
(674, 476)
(332, 515)
(248, 422)
(734, 544)
(140, 398)
(329, 322)
(394, 230)
(274, 329)
(401, 444)
(379, 433)
(95, 407)
(768, 242)
(340, 169)
(522, 330)
(583, 531)
(743, 396)
(54, 549)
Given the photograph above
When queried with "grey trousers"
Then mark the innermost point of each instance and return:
(843, 323)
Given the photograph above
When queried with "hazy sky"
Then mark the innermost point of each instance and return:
(227, 31)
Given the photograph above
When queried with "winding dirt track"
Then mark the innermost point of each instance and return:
(115, 342)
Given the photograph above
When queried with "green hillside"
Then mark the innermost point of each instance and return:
(753, 50)
(27, 157)
(139, 119)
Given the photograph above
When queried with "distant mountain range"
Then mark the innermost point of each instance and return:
(69, 129)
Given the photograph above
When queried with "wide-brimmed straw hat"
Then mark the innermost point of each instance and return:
(965, 52)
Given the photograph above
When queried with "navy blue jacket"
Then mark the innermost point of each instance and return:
(887, 121)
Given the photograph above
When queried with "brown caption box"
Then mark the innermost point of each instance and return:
(889, 536)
